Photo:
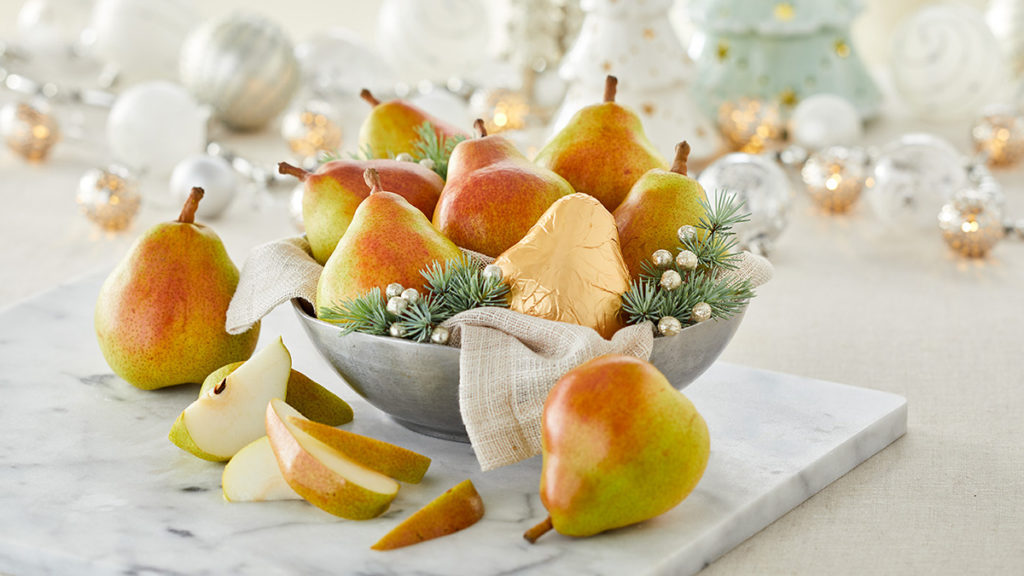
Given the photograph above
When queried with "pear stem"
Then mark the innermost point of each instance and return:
(188, 211)
(286, 168)
(481, 128)
(682, 154)
(372, 178)
(611, 84)
(539, 530)
(365, 94)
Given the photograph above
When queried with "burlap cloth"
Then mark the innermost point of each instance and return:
(508, 363)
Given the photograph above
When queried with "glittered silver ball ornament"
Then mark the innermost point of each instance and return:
(439, 335)
(411, 295)
(686, 233)
(686, 260)
(243, 66)
(971, 224)
(396, 330)
(492, 271)
(661, 258)
(670, 280)
(214, 175)
(669, 326)
(405, 157)
(109, 197)
(393, 290)
(835, 177)
(763, 189)
(701, 312)
(397, 305)
(427, 163)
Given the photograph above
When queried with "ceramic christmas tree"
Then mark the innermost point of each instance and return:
(635, 42)
(779, 51)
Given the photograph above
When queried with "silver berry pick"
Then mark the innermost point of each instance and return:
(670, 280)
(661, 258)
(701, 312)
(492, 271)
(686, 260)
(669, 326)
(396, 330)
(439, 335)
(405, 157)
(394, 289)
(397, 305)
(427, 163)
(411, 295)
(686, 232)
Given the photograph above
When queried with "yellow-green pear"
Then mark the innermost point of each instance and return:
(160, 314)
(660, 202)
(387, 241)
(602, 151)
(456, 509)
(394, 461)
(390, 128)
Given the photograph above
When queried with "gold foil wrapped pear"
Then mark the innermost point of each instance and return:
(569, 266)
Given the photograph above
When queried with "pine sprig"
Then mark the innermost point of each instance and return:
(367, 313)
(642, 303)
(419, 319)
(437, 150)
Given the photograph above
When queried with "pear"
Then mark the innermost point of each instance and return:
(322, 475)
(252, 475)
(230, 414)
(493, 194)
(334, 191)
(304, 394)
(160, 314)
(456, 509)
(388, 241)
(390, 128)
(388, 459)
(657, 205)
(620, 446)
(602, 151)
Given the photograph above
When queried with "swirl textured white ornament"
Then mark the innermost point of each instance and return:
(945, 62)
(143, 37)
(154, 126)
(434, 39)
(243, 66)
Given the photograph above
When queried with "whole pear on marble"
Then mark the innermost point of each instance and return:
(389, 240)
(390, 128)
(493, 195)
(602, 151)
(456, 509)
(160, 314)
(658, 204)
(334, 191)
(620, 446)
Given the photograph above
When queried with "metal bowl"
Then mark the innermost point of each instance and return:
(418, 384)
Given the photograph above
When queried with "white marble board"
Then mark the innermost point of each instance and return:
(89, 483)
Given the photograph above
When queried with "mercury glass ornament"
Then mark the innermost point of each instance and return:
(310, 128)
(999, 135)
(411, 295)
(670, 280)
(154, 126)
(912, 178)
(686, 260)
(393, 290)
(669, 326)
(214, 175)
(750, 125)
(824, 120)
(763, 188)
(28, 130)
(492, 271)
(396, 330)
(109, 197)
(701, 312)
(971, 223)
(835, 177)
(661, 258)
(439, 335)
(501, 109)
(397, 305)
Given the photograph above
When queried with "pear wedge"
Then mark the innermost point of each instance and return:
(388, 459)
(457, 509)
(252, 475)
(321, 474)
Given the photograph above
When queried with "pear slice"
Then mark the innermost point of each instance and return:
(230, 414)
(323, 475)
(253, 475)
(457, 509)
(388, 459)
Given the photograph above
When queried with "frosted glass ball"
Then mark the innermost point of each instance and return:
(761, 185)
(51, 26)
(154, 126)
(214, 175)
(824, 120)
(143, 37)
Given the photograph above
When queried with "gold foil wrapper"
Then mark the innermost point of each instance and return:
(569, 266)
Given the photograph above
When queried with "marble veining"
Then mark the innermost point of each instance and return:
(91, 485)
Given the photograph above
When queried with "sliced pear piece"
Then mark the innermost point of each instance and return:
(230, 414)
(388, 459)
(253, 475)
(323, 475)
(457, 509)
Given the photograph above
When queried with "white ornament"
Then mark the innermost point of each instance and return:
(243, 66)
(397, 304)
(154, 126)
(214, 175)
(946, 63)
(492, 272)
(411, 295)
(52, 26)
(824, 120)
(444, 105)
(143, 37)
(393, 290)
(337, 62)
(434, 39)
(439, 335)
(761, 185)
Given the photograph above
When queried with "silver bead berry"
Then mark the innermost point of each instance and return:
(686, 260)
(439, 335)
(670, 280)
(397, 305)
(686, 232)
(701, 312)
(394, 289)
(396, 330)
(427, 163)
(661, 258)
(669, 326)
(411, 295)
(405, 157)
(492, 271)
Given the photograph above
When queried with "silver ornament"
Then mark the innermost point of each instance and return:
(701, 312)
(411, 295)
(396, 330)
(109, 197)
(661, 258)
(397, 305)
(492, 271)
(439, 335)
(971, 223)
(427, 163)
(29, 130)
(394, 290)
(214, 175)
(405, 157)
(686, 233)
(670, 280)
(311, 128)
(243, 66)
(669, 326)
(686, 260)
(835, 177)
(762, 187)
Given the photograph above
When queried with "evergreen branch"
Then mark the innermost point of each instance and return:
(420, 318)
(367, 313)
(437, 150)
(642, 302)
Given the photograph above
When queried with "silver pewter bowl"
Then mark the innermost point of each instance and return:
(417, 384)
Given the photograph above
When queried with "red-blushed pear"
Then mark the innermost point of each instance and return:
(160, 314)
(660, 202)
(252, 475)
(394, 461)
(456, 509)
(390, 128)
(493, 195)
(332, 194)
(620, 446)
(388, 241)
(602, 151)
(322, 475)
